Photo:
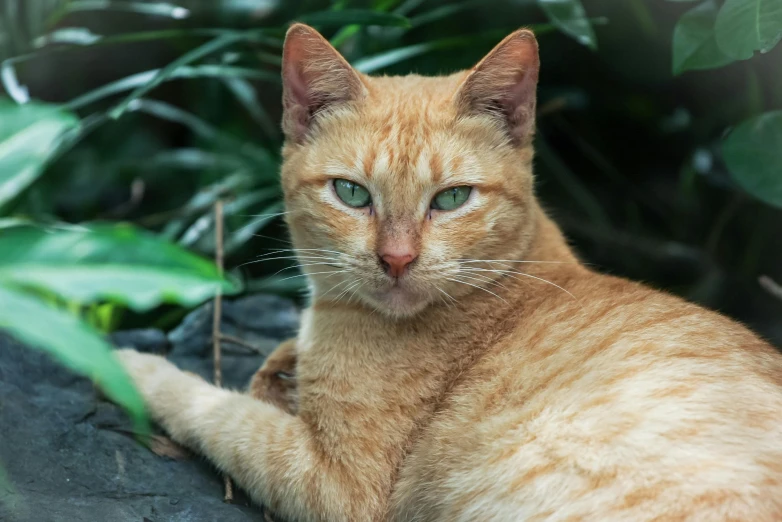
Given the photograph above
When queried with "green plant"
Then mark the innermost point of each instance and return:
(99, 265)
(714, 35)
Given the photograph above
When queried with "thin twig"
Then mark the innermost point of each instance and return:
(771, 286)
(218, 312)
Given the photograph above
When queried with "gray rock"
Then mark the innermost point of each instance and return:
(69, 455)
(143, 339)
(261, 320)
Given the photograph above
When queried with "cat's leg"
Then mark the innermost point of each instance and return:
(275, 381)
(273, 455)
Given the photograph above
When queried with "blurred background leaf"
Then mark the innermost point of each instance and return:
(110, 262)
(746, 26)
(754, 158)
(28, 135)
(694, 42)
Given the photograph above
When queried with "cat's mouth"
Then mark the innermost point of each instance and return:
(399, 298)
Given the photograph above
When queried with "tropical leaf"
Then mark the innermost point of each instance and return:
(338, 18)
(753, 154)
(29, 134)
(694, 42)
(141, 79)
(570, 17)
(116, 263)
(163, 74)
(746, 26)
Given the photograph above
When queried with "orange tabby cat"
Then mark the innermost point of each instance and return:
(457, 362)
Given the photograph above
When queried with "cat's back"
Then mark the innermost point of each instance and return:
(629, 405)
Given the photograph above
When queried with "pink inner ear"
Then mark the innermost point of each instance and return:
(297, 85)
(314, 76)
(504, 85)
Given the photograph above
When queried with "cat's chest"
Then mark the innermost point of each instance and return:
(363, 379)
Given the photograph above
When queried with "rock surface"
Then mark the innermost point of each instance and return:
(69, 455)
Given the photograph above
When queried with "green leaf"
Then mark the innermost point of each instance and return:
(29, 135)
(146, 8)
(694, 43)
(185, 72)
(170, 69)
(247, 96)
(261, 160)
(570, 17)
(68, 35)
(443, 11)
(373, 63)
(73, 343)
(753, 155)
(746, 26)
(353, 16)
(116, 263)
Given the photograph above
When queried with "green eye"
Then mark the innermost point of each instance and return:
(451, 199)
(352, 194)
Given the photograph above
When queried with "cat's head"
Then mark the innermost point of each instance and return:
(398, 189)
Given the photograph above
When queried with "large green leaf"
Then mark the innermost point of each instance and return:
(117, 263)
(73, 343)
(353, 16)
(746, 26)
(753, 154)
(570, 17)
(29, 134)
(694, 43)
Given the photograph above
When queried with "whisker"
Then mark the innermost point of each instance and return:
(332, 272)
(354, 293)
(266, 215)
(447, 303)
(348, 289)
(308, 251)
(307, 264)
(478, 287)
(325, 260)
(485, 280)
(286, 241)
(511, 272)
(511, 261)
(335, 286)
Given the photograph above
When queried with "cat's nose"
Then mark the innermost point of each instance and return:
(395, 264)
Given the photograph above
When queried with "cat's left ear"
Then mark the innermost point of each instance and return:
(504, 85)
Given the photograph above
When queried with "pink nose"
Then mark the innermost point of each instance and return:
(395, 265)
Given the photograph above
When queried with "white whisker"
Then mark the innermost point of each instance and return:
(510, 261)
(478, 287)
(511, 272)
(332, 272)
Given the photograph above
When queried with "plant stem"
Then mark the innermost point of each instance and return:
(218, 312)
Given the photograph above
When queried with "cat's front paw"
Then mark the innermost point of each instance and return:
(146, 370)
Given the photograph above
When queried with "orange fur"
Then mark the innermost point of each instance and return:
(498, 378)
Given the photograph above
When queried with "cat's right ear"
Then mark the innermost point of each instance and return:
(315, 77)
(504, 84)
